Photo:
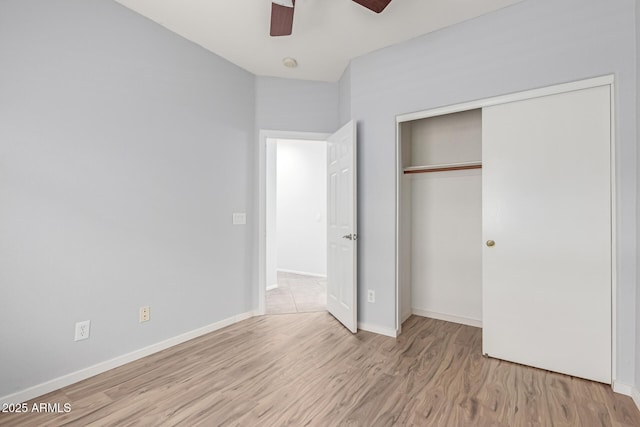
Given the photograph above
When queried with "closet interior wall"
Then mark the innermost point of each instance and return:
(440, 218)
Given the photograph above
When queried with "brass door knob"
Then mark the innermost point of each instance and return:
(491, 243)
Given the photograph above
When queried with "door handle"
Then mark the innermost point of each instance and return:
(350, 236)
(491, 243)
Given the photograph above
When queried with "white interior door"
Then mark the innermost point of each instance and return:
(342, 301)
(547, 206)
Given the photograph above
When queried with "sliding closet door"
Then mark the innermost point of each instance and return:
(547, 233)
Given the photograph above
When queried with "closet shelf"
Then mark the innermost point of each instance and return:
(443, 167)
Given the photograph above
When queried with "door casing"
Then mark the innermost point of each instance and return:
(262, 202)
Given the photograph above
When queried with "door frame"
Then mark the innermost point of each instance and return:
(264, 135)
(607, 80)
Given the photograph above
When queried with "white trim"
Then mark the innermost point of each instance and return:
(302, 273)
(399, 174)
(274, 286)
(635, 395)
(622, 388)
(511, 97)
(627, 390)
(614, 242)
(448, 317)
(82, 374)
(262, 201)
(377, 329)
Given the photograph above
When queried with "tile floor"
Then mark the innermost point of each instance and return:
(297, 294)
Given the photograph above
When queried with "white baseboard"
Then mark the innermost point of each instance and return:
(627, 390)
(302, 273)
(405, 316)
(635, 395)
(82, 374)
(274, 286)
(448, 317)
(378, 329)
(622, 388)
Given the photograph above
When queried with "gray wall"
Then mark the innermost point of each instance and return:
(528, 45)
(344, 92)
(296, 105)
(124, 150)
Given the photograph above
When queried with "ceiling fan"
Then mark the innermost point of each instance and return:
(282, 14)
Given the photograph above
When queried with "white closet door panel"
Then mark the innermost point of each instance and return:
(547, 205)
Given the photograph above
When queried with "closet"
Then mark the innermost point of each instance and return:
(505, 222)
(442, 180)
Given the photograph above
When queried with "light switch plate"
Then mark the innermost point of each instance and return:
(239, 218)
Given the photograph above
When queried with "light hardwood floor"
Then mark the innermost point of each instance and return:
(306, 369)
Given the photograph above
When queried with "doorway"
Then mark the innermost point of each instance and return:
(296, 201)
(341, 220)
(267, 180)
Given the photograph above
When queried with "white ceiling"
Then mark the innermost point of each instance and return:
(326, 33)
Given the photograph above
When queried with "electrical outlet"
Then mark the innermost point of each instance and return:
(145, 314)
(82, 330)
(239, 218)
(371, 296)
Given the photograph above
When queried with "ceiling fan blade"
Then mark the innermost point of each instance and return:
(376, 5)
(281, 19)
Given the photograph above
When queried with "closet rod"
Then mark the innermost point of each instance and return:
(443, 168)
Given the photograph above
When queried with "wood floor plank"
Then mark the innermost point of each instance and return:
(308, 370)
(561, 404)
(623, 411)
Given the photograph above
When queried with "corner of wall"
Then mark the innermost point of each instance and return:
(344, 97)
